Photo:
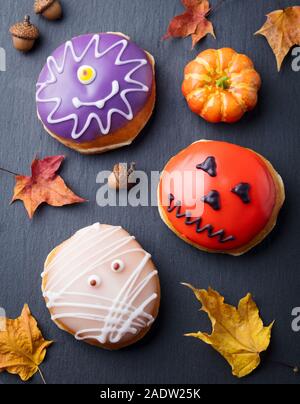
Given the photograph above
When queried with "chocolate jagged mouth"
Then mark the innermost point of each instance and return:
(189, 221)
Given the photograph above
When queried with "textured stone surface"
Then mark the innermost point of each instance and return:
(270, 272)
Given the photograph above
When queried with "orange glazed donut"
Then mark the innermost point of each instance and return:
(221, 85)
(220, 197)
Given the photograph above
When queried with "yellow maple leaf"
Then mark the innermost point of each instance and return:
(282, 31)
(238, 334)
(22, 346)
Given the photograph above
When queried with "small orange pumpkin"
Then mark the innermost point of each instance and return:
(220, 85)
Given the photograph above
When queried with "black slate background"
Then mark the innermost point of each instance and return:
(270, 272)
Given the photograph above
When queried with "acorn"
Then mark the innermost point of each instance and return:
(50, 9)
(121, 175)
(24, 34)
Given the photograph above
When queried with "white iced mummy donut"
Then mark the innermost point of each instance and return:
(102, 287)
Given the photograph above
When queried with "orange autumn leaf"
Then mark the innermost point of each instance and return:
(282, 31)
(238, 334)
(44, 186)
(192, 22)
(22, 346)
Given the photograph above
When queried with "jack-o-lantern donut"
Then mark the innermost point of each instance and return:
(220, 197)
(220, 85)
(96, 92)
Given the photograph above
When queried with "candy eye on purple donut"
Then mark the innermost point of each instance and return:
(86, 74)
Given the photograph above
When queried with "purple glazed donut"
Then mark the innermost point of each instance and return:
(96, 92)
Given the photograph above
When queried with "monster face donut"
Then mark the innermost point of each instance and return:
(96, 92)
(102, 287)
(220, 197)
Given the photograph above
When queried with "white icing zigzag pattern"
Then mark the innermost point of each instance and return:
(119, 62)
(117, 316)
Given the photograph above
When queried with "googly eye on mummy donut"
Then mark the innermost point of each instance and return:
(102, 287)
(220, 197)
(96, 92)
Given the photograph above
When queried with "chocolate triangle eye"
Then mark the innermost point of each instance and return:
(209, 166)
(212, 199)
(242, 190)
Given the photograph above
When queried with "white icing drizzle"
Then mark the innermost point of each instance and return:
(100, 103)
(81, 239)
(119, 316)
(53, 64)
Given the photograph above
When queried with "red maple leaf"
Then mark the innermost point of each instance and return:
(44, 186)
(193, 22)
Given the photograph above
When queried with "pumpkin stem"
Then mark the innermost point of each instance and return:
(223, 82)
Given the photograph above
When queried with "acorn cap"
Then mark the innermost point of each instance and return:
(41, 5)
(25, 30)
